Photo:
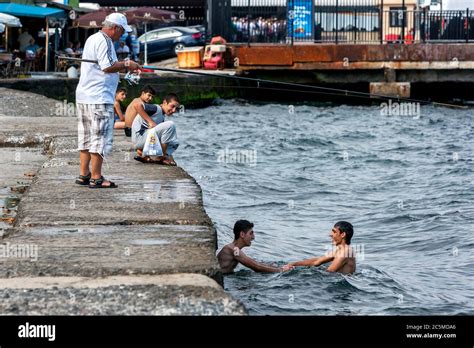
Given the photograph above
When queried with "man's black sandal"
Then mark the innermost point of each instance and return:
(83, 180)
(97, 183)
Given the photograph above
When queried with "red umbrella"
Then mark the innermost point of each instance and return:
(93, 19)
(149, 14)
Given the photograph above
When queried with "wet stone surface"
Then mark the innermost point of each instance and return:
(116, 300)
(103, 250)
(154, 223)
(19, 166)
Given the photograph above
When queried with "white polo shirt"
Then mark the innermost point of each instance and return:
(96, 86)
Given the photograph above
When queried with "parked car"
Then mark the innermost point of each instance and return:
(201, 28)
(166, 42)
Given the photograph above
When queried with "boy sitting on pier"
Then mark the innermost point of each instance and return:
(137, 106)
(142, 117)
(119, 118)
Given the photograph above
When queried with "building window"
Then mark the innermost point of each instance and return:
(396, 17)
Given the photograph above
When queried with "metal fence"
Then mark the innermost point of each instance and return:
(345, 21)
(447, 26)
(428, 26)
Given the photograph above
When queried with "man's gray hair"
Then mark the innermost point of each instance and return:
(107, 24)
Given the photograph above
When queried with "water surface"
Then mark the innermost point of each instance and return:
(404, 182)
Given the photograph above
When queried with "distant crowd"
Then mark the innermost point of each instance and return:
(260, 29)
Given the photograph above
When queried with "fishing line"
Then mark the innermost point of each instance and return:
(134, 79)
(260, 81)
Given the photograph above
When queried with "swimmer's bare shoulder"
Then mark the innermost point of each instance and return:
(344, 261)
(226, 258)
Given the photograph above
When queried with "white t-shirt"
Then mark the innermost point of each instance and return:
(96, 86)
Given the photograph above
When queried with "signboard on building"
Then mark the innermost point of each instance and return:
(301, 18)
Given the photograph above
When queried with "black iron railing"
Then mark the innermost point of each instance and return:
(346, 21)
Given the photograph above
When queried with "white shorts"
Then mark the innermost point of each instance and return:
(95, 128)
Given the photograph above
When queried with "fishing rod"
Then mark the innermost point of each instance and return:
(134, 79)
(131, 78)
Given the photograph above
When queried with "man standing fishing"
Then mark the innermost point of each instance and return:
(95, 96)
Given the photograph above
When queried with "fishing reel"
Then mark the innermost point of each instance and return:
(132, 78)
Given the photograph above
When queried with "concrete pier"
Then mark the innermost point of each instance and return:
(441, 71)
(147, 247)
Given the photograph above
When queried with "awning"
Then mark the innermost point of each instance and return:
(9, 20)
(31, 11)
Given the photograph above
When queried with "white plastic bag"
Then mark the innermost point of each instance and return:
(152, 144)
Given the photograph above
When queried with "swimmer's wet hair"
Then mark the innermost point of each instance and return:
(148, 89)
(347, 228)
(242, 226)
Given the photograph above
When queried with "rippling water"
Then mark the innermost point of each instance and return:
(405, 183)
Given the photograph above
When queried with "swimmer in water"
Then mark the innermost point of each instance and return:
(231, 254)
(342, 256)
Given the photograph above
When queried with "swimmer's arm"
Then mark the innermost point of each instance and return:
(254, 265)
(315, 261)
(141, 111)
(118, 111)
(337, 264)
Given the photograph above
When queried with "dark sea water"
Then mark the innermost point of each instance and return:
(406, 183)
